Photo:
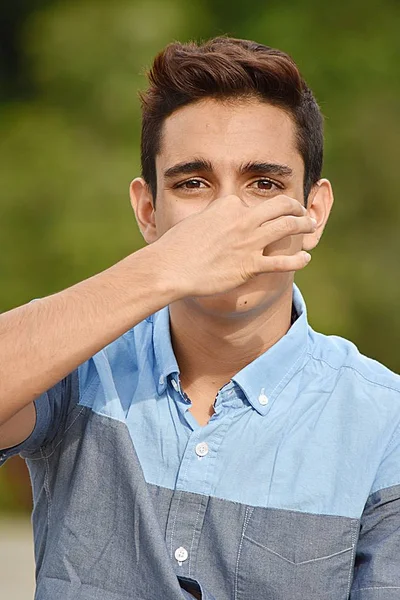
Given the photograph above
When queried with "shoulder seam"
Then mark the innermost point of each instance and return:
(377, 383)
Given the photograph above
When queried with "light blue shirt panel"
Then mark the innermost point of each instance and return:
(315, 446)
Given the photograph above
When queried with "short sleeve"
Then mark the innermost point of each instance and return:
(52, 408)
(388, 474)
(376, 569)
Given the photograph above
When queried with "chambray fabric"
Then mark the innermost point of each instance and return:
(291, 491)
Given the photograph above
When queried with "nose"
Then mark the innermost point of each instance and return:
(230, 188)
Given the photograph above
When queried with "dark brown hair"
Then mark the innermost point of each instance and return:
(228, 68)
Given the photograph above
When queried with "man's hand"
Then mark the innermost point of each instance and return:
(207, 253)
(222, 247)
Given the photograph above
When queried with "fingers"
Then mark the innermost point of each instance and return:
(282, 263)
(276, 207)
(276, 230)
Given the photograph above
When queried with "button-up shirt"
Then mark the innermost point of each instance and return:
(290, 492)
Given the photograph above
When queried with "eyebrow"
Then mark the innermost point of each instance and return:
(186, 168)
(266, 168)
(205, 166)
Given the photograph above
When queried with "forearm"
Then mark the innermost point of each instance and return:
(210, 252)
(41, 342)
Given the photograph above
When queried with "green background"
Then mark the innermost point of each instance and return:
(69, 146)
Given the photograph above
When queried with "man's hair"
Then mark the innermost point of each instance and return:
(227, 68)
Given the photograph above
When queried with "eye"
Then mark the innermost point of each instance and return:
(265, 185)
(191, 184)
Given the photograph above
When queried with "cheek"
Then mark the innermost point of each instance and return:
(165, 219)
(289, 245)
(171, 213)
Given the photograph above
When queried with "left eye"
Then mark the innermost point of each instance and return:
(192, 184)
(264, 184)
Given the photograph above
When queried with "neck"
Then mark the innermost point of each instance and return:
(210, 349)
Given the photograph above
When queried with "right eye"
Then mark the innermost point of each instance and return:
(192, 184)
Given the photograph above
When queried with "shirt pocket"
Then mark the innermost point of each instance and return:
(288, 554)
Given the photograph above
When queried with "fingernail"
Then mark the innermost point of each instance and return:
(314, 221)
(307, 257)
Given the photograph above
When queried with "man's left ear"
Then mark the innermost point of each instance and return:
(319, 206)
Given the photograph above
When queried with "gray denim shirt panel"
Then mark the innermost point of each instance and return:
(101, 531)
(108, 532)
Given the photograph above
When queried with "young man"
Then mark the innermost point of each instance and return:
(187, 433)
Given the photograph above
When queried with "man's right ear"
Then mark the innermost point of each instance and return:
(142, 204)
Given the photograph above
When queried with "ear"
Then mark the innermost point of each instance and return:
(142, 204)
(319, 207)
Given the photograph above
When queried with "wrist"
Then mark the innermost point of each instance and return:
(157, 267)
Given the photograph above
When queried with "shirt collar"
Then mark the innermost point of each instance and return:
(263, 379)
(166, 362)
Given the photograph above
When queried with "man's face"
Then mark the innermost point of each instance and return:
(245, 148)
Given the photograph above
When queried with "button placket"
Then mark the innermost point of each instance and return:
(184, 526)
(190, 498)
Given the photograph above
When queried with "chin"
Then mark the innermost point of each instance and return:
(248, 300)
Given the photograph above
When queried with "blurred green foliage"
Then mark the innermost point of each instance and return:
(69, 142)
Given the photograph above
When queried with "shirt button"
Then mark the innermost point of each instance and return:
(263, 400)
(175, 385)
(202, 449)
(181, 554)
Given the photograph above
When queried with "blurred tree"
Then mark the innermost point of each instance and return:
(15, 75)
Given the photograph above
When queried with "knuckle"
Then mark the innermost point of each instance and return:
(291, 205)
(285, 263)
(296, 208)
(281, 264)
(248, 270)
(285, 204)
(278, 264)
(290, 224)
(299, 208)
